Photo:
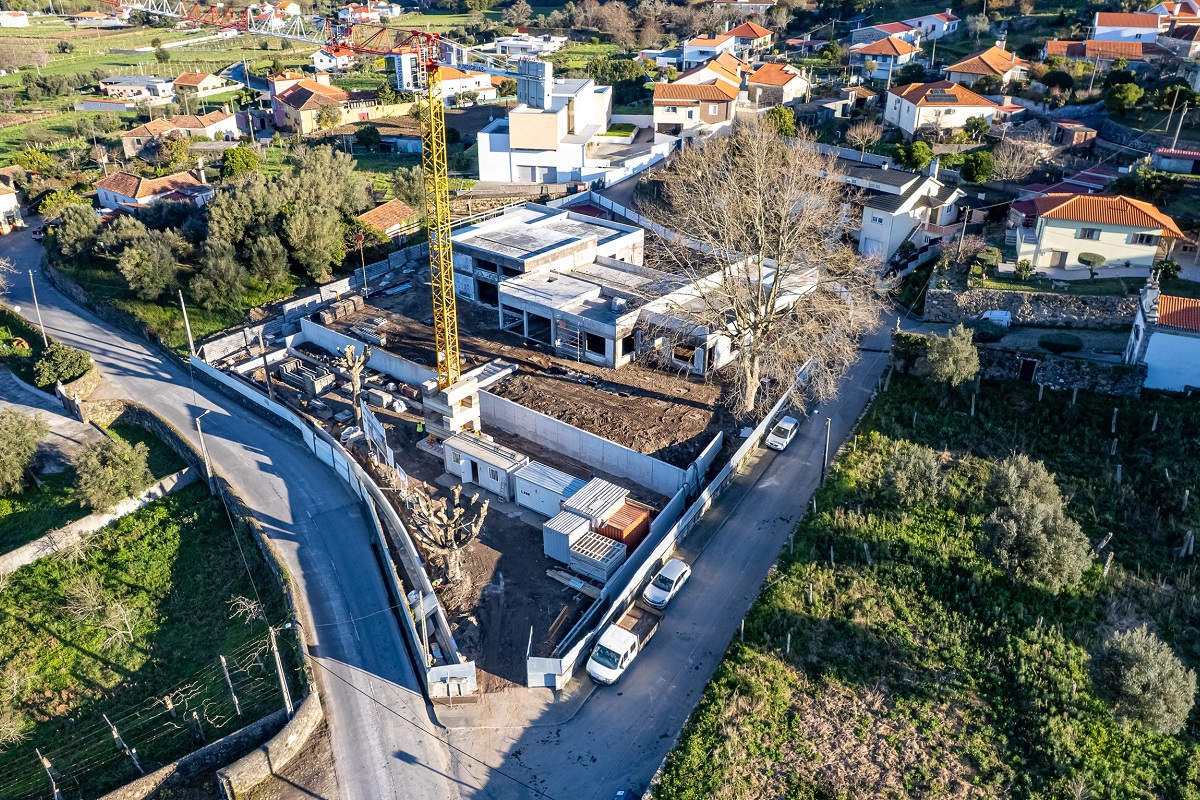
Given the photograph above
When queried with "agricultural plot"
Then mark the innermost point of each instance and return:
(904, 648)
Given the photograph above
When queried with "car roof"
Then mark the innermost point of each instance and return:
(788, 421)
(673, 568)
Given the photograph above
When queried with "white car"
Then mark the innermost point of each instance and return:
(1001, 318)
(667, 583)
(783, 433)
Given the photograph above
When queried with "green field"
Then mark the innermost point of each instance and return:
(887, 657)
(143, 615)
(577, 56)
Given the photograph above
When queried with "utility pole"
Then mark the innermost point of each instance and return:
(267, 373)
(38, 309)
(229, 682)
(129, 751)
(932, 53)
(204, 454)
(1095, 69)
(187, 325)
(50, 773)
(1179, 126)
(1170, 114)
(825, 461)
(361, 239)
(287, 696)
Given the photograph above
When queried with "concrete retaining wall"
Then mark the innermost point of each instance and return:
(1065, 372)
(269, 759)
(380, 360)
(1041, 309)
(77, 531)
(198, 762)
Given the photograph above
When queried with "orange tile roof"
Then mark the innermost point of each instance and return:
(454, 74)
(288, 75)
(891, 28)
(129, 185)
(191, 78)
(306, 95)
(668, 93)
(1107, 210)
(1110, 19)
(774, 75)
(706, 40)
(993, 61)
(1179, 312)
(748, 30)
(1093, 48)
(155, 127)
(387, 216)
(732, 63)
(919, 94)
(194, 122)
(888, 46)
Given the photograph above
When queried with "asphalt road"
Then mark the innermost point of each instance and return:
(317, 527)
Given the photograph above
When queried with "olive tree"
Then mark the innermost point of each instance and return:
(109, 470)
(952, 359)
(1145, 680)
(912, 475)
(19, 437)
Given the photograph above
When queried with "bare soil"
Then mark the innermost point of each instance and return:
(666, 415)
(309, 776)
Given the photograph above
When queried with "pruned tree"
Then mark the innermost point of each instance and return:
(1016, 156)
(448, 527)
(121, 619)
(1020, 476)
(772, 275)
(19, 437)
(109, 470)
(862, 135)
(952, 359)
(354, 365)
(85, 596)
(246, 609)
(13, 729)
(912, 475)
(1145, 681)
(978, 25)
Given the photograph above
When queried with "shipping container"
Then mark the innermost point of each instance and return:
(597, 500)
(560, 532)
(542, 489)
(629, 525)
(477, 460)
(597, 557)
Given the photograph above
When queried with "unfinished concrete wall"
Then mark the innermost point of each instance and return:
(381, 360)
(249, 771)
(580, 445)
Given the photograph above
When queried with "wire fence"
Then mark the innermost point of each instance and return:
(115, 742)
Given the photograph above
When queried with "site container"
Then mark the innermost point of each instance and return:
(477, 460)
(542, 489)
(597, 500)
(597, 557)
(628, 525)
(560, 532)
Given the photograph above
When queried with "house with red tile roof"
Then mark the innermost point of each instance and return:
(751, 40)
(938, 107)
(706, 47)
(889, 55)
(690, 110)
(934, 26)
(776, 84)
(1165, 338)
(995, 62)
(126, 189)
(333, 57)
(1111, 26)
(873, 33)
(1180, 160)
(1124, 231)
(393, 219)
(1094, 50)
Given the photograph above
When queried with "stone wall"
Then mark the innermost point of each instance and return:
(84, 386)
(1043, 309)
(200, 761)
(1064, 372)
(105, 412)
(252, 769)
(120, 319)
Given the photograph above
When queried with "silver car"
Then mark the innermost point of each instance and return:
(783, 433)
(667, 583)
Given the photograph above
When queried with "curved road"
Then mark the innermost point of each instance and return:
(368, 686)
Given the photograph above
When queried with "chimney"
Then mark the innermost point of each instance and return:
(225, 108)
(934, 166)
(1001, 43)
(200, 169)
(884, 165)
(949, 13)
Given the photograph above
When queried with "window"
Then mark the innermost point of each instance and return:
(949, 111)
(1146, 238)
(878, 220)
(1137, 36)
(1089, 233)
(493, 473)
(456, 458)
(672, 109)
(691, 113)
(712, 109)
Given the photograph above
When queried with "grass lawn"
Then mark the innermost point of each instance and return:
(439, 21)
(925, 670)
(163, 461)
(143, 615)
(39, 510)
(1105, 287)
(577, 56)
(620, 129)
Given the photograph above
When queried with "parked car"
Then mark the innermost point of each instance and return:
(38, 233)
(783, 433)
(1001, 318)
(667, 583)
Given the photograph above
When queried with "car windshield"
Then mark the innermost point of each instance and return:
(781, 431)
(663, 582)
(606, 657)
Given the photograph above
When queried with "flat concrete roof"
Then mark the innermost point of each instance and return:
(534, 229)
(588, 291)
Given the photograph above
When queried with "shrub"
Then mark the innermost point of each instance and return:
(60, 363)
(1092, 260)
(19, 437)
(1037, 542)
(1168, 269)
(109, 470)
(1024, 270)
(985, 331)
(952, 359)
(1020, 476)
(1145, 681)
(1059, 343)
(988, 256)
(913, 475)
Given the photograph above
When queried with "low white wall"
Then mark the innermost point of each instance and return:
(380, 360)
(580, 445)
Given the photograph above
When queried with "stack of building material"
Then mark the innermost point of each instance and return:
(540, 488)
(370, 335)
(314, 380)
(629, 524)
(597, 557)
(597, 501)
(560, 532)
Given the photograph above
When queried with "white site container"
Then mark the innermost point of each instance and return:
(560, 532)
(597, 501)
(597, 557)
(542, 489)
(476, 460)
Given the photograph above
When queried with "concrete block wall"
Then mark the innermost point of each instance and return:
(380, 360)
(237, 779)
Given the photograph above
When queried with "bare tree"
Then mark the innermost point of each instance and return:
(1016, 156)
(978, 25)
(862, 135)
(12, 727)
(120, 620)
(354, 365)
(772, 274)
(39, 58)
(85, 596)
(6, 269)
(245, 609)
(10, 55)
(448, 527)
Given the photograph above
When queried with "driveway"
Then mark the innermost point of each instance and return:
(66, 435)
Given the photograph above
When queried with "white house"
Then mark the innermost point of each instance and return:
(10, 210)
(138, 86)
(1166, 338)
(14, 19)
(1124, 231)
(1113, 26)
(934, 26)
(358, 14)
(889, 55)
(1178, 160)
(940, 106)
(525, 44)
(996, 62)
(751, 40)
(776, 84)
(333, 57)
(545, 137)
(706, 47)
(694, 109)
(123, 188)
(456, 81)
(873, 33)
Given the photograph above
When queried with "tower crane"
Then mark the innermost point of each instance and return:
(429, 49)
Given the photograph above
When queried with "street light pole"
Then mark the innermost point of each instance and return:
(287, 695)
(204, 447)
(38, 308)
(360, 238)
(825, 461)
